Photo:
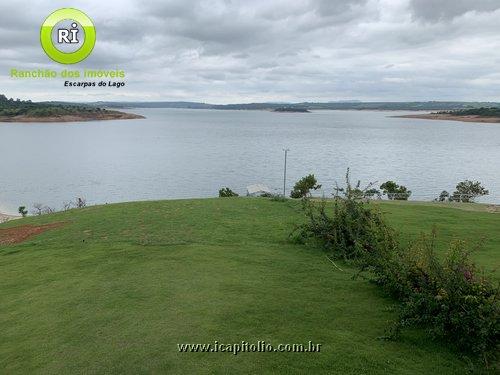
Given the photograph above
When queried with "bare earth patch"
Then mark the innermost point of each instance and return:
(14, 235)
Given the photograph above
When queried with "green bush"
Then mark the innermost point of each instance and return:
(303, 187)
(352, 229)
(452, 299)
(274, 197)
(225, 192)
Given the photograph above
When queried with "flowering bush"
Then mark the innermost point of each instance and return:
(453, 299)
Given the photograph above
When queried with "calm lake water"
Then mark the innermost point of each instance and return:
(179, 153)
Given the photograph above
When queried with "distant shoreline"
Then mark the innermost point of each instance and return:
(291, 110)
(92, 116)
(449, 117)
(6, 217)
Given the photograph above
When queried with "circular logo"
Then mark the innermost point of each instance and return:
(67, 36)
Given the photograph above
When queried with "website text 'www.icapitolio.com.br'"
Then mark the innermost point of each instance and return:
(246, 347)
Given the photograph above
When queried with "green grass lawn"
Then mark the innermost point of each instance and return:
(119, 286)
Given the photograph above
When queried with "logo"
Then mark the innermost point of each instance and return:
(67, 36)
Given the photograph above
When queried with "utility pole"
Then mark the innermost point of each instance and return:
(284, 172)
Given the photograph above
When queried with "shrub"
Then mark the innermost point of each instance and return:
(225, 192)
(275, 197)
(303, 187)
(352, 230)
(452, 299)
(37, 209)
(395, 191)
(278, 198)
(80, 203)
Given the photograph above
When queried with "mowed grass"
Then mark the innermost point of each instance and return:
(119, 286)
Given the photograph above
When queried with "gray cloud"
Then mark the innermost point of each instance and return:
(432, 10)
(241, 51)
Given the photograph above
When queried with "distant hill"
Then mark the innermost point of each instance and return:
(190, 105)
(59, 106)
(347, 105)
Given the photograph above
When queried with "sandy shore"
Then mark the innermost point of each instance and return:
(439, 116)
(93, 116)
(5, 217)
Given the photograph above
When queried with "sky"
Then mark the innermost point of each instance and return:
(232, 51)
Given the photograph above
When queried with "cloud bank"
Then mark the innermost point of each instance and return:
(226, 51)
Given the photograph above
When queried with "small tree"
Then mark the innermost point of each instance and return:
(395, 191)
(67, 206)
(443, 196)
(467, 191)
(23, 211)
(303, 187)
(48, 210)
(81, 203)
(225, 192)
(37, 209)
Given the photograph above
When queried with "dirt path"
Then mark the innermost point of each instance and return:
(14, 235)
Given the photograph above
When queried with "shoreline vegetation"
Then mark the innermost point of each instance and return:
(16, 110)
(483, 114)
(27, 111)
(291, 110)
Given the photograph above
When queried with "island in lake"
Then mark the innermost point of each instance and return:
(291, 109)
(27, 111)
(488, 115)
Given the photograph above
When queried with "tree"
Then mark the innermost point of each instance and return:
(225, 192)
(443, 196)
(466, 191)
(37, 209)
(395, 191)
(81, 203)
(303, 187)
(23, 211)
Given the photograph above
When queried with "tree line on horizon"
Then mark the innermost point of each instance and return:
(10, 107)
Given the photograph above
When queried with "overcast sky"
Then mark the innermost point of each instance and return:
(228, 51)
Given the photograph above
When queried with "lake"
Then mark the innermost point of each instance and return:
(182, 153)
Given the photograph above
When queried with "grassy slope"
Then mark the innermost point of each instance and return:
(119, 286)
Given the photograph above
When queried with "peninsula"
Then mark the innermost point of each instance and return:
(27, 111)
(486, 115)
